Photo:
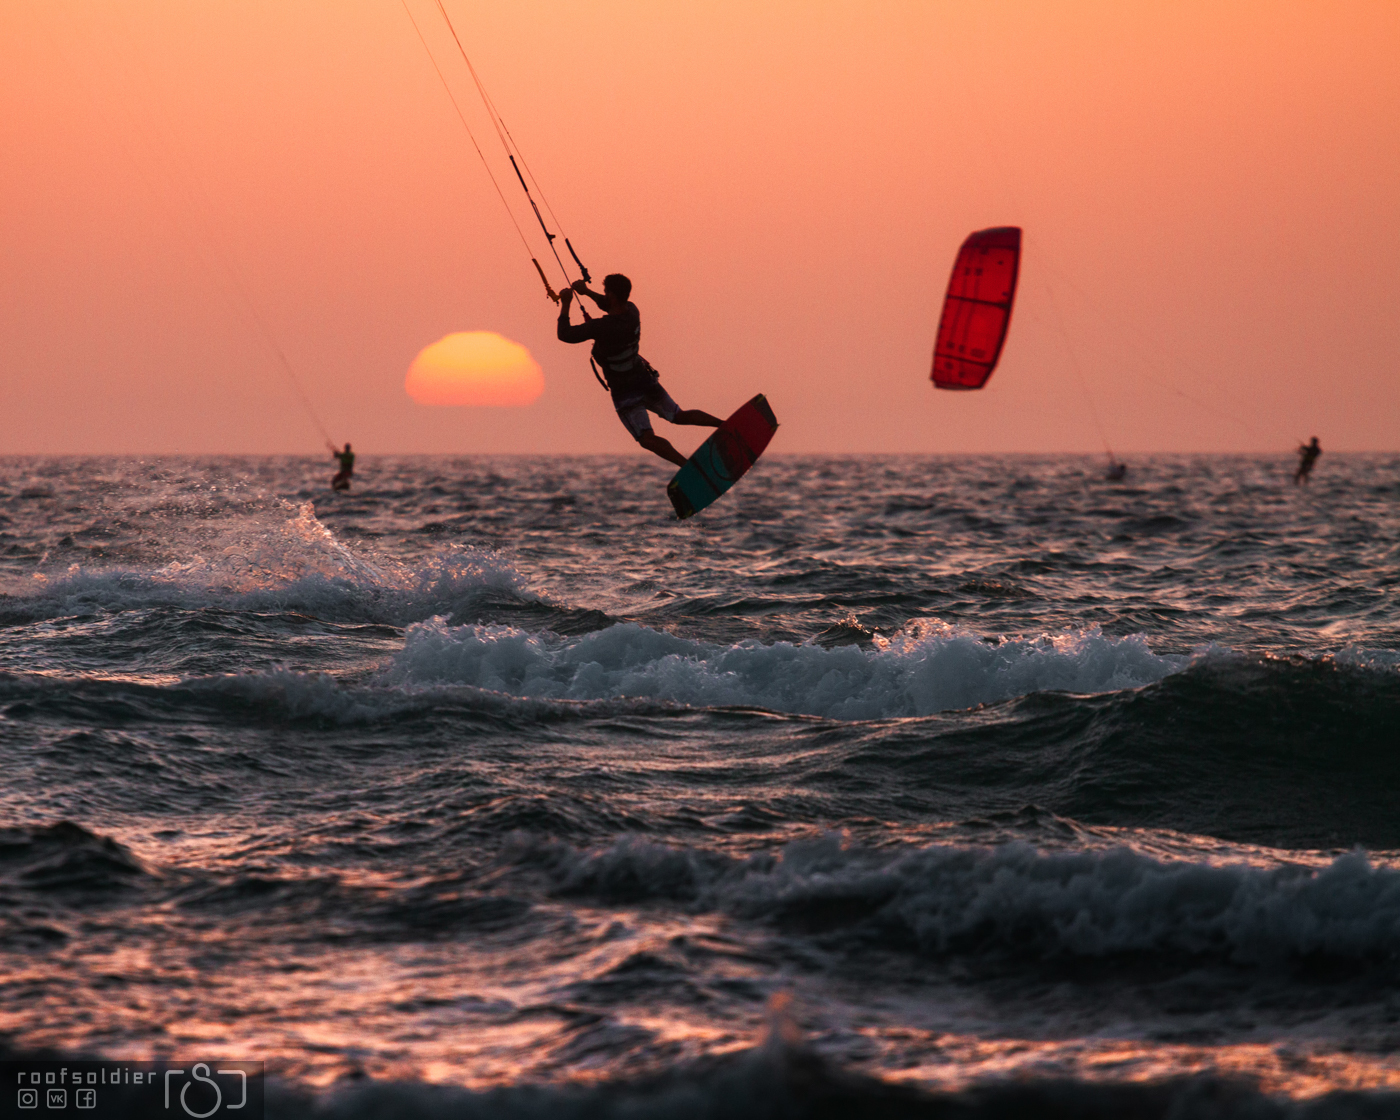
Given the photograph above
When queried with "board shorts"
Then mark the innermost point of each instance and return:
(633, 411)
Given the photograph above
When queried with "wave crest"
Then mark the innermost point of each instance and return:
(929, 667)
(1017, 899)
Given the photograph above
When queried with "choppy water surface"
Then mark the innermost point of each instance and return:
(982, 776)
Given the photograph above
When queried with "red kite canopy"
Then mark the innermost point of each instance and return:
(977, 309)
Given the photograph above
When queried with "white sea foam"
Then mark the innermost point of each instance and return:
(1375, 660)
(929, 667)
(1014, 897)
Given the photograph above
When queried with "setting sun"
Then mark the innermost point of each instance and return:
(480, 368)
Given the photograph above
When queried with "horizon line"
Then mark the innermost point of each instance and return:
(643, 458)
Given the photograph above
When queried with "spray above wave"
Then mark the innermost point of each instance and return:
(929, 667)
(267, 560)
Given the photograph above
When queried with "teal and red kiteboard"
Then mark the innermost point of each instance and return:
(723, 459)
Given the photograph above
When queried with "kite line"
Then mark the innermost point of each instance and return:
(1078, 373)
(517, 161)
(197, 207)
(512, 151)
(1165, 381)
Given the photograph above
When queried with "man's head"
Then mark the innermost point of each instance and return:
(617, 286)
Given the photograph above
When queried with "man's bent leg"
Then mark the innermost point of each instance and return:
(658, 445)
(695, 416)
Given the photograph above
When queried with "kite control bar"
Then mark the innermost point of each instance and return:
(587, 279)
(539, 217)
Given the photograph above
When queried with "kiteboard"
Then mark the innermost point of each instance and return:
(723, 459)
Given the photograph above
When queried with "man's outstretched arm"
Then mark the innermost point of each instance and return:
(570, 332)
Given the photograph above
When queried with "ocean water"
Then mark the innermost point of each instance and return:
(918, 786)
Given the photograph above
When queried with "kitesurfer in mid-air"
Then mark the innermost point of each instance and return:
(346, 459)
(1307, 459)
(635, 387)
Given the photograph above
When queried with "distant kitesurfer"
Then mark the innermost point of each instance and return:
(1116, 471)
(1307, 458)
(346, 459)
(635, 387)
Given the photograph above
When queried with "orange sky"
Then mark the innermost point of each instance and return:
(1210, 192)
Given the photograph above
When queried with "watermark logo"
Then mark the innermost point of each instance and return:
(200, 1072)
(200, 1090)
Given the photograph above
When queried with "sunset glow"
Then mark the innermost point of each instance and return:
(475, 368)
(929, 651)
(751, 168)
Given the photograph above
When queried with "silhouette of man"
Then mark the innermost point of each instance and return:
(1307, 457)
(347, 466)
(635, 387)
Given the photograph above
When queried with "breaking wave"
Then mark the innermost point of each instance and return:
(929, 667)
(1015, 898)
